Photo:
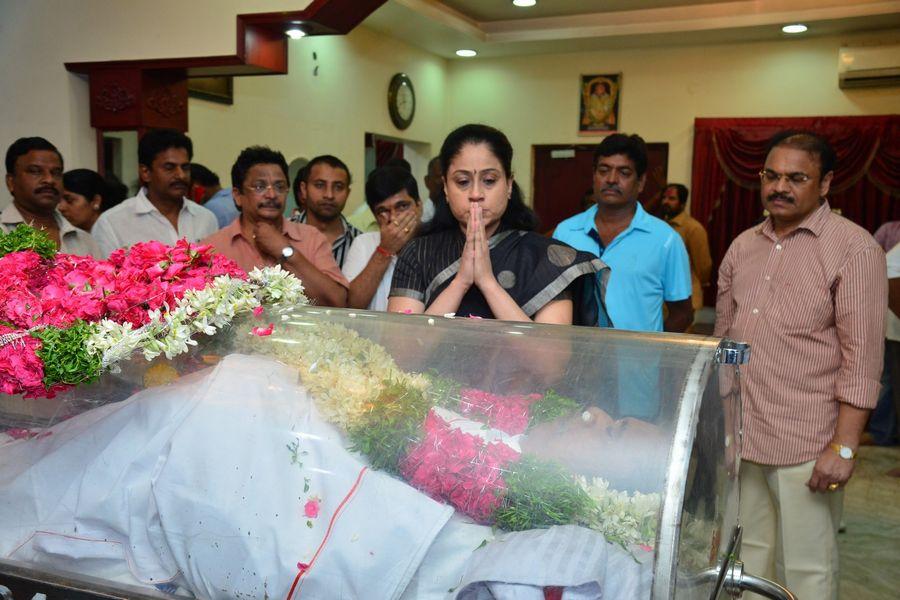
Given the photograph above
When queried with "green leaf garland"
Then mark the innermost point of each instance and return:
(65, 356)
(25, 237)
(541, 494)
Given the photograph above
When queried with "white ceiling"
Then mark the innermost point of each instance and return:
(503, 10)
(497, 28)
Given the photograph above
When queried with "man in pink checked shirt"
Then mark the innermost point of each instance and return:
(806, 289)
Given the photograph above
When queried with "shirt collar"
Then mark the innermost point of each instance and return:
(301, 218)
(233, 230)
(12, 216)
(143, 205)
(814, 222)
(585, 222)
(678, 220)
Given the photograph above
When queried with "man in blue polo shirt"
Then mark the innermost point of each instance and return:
(647, 258)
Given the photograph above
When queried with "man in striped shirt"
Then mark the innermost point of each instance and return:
(806, 288)
(325, 189)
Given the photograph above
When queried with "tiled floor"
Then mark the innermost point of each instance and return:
(870, 546)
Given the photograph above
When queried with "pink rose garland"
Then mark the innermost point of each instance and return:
(510, 414)
(36, 292)
(459, 468)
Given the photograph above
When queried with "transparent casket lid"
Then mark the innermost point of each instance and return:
(374, 455)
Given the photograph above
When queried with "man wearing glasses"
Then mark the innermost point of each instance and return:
(807, 289)
(261, 236)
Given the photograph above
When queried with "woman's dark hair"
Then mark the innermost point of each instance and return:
(517, 215)
(384, 182)
(88, 184)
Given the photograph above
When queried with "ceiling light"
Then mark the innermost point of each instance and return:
(466, 53)
(796, 28)
(295, 33)
(524, 3)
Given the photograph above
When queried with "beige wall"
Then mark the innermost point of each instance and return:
(302, 114)
(39, 97)
(534, 99)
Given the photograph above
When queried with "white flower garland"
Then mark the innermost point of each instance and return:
(343, 370)
(204, 311)
(627, 519)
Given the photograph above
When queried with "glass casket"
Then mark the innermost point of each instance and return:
(372, 455)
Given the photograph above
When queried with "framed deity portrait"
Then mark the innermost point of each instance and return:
(600, 95)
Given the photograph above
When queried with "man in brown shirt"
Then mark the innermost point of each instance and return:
(261, 236)
(806, 289)
(674, 200)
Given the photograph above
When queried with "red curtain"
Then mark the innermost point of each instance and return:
(729, 153)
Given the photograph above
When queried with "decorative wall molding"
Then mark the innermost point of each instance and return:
(166, 103)
(144, 93)
(114, 98)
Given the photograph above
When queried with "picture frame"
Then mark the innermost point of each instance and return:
(214, 89)
(599, 100)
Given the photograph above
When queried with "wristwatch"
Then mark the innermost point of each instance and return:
(845, 452)
(286, 253)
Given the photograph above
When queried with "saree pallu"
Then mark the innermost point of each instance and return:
(534, 270)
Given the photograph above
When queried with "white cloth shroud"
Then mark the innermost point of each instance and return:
(206, 482)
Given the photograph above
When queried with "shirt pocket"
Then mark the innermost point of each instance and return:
(804, 308)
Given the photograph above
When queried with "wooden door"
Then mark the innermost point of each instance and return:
(563, 175)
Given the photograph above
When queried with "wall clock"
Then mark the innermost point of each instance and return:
(401, 100)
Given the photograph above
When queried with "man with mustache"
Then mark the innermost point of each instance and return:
(261, 236)
(648, 262)
(806, 289)
(161, 210)
(325, 189)
(34, 174)
(692, 232)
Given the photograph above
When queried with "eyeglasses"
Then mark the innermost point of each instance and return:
(279, 187)
(770, 176)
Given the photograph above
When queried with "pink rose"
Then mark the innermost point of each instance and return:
(311, 508)
(263, 331)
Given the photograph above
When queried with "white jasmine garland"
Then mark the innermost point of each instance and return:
(206, 311)
(627, 519)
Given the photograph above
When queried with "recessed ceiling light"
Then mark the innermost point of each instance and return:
(796, 28)
(524, 3)
(466, 53)
(295, 33)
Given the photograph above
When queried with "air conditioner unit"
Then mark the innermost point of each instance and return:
(869, 66)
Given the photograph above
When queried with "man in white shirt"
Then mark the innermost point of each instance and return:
(393, 196)
(160, 211)
(34, 175)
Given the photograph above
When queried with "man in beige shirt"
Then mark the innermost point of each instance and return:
(261, 236)
(806, 289)
(674, 200)
(160, 211)
(34, 172)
